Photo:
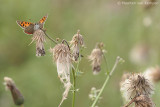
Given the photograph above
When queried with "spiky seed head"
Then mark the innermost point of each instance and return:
(76, 43)
(39, 38)
(136, 85)
(144, 101)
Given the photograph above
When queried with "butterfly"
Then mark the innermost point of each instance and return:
(29, 27)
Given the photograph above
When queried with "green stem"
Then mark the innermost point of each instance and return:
(74, 82)
(74, 87)
(106, 81)
(105, 59)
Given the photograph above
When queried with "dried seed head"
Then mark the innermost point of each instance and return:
(153, 74)
(140, 54)
(61, 53)
(136, 85)
(125, 76)
(62, 57)
(16, 94)
(143, 101)
(39, 38)
(76, 43)
(96, 58)
(147, 21)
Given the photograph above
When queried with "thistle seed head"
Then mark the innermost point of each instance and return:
(62, 57)
(39, 38)
(143, 101)
(124, 77)
(96, 58)
(140, 54)
(136, 85)
(76, 43)
(153, 74)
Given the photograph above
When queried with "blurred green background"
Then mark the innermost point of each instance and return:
(120, 27)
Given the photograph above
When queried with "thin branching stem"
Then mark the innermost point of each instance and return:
(106, 81)
(54, 41)
(105, 59)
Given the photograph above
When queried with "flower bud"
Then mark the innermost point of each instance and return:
(16, 94)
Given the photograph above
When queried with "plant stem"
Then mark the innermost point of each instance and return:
(105, 59)
(49, 37)
(106, 81)
(66, 43)
(74, 87)
(74, 81)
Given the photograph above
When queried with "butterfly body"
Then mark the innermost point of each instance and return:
(29, 27)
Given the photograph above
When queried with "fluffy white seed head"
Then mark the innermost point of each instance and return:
(153, 74)
(140, 54)
(62, 57)
(39, 38)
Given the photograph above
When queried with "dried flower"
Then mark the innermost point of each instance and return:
(140, 54)
(125, 76)
(96, 58)
(153, 74)
(143, 101)
(136, 85)
(16, 94)
(147, 21)
(62, 57)
(39, 38)
(76, 43)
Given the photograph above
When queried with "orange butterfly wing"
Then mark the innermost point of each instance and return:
(43, 19)
(27, 26)
(24, 24)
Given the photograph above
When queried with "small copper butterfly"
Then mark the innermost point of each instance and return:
(29, 27)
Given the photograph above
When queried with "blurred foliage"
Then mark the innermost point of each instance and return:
(120, 27)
